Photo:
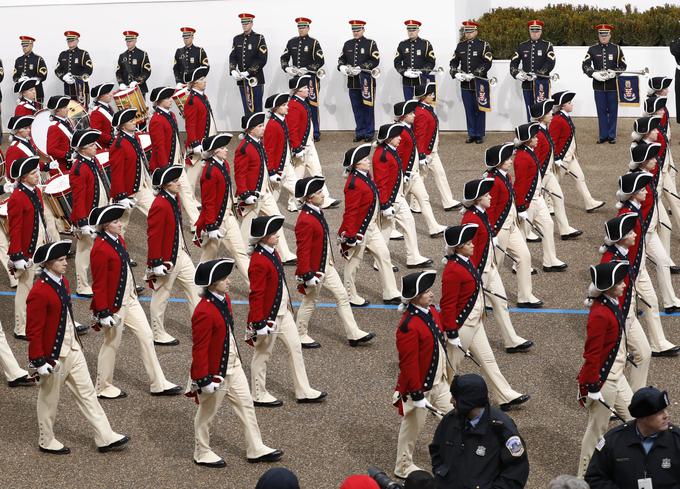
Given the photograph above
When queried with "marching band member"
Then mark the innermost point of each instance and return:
(27, 103)
(6, 188)
(307, 58)
(21, 144)
(55, 351)
(359, 57)
(477, 199)
(563, 134)
(658, 86)
(316, 265)
(134, 67)
(472, 58)
(602, 62)
(30, 65)
(424, 376)
(216, 368)
(529, 202)
(167, 254)
(462, 311)
(27, 231)
(414, 187)
(601, 379)
(59, 135)
(533, 58)
(414, 59)
(115, 305)
(130, 186)
(252, 181)
(541, 112)
(217, 222)
(199, 123)
(87, 192)
(246, 61)
(101, 115)
(504, 222)
(387, 172)
(166, 147)
(270, 314)
(188, 57)
(359, 231)
(275, 140)
(305, 159)
(426, 129)
(74, 68)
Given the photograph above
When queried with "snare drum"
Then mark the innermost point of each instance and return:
(4, 221)
(57, 192)
(132, 98)
(180, 98)
(78, 116)
(105, 167)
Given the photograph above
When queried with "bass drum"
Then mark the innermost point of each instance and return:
(39, 128)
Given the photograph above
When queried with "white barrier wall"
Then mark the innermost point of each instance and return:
(101, 27)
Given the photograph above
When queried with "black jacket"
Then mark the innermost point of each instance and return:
(415, 54)
(134, 66)
(603, 57)
(361, 52)
(472, 56)
(249, 53)
(532, 57)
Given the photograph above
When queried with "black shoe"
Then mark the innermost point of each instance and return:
(270, 457)
(115, 445)
(612, 141)
(357, 139)
(174, 342)
(333, 204)
(84, 296)
(423, 264)
(479, 140)
(395, 268)
(520, 348)
(368, 139)
(675, 270)
(140, 289)
(515, 402)
(61, 451)
(533, 271)
(397, 238)
(436, 235)
(572, 235)
(671, 310)
(172, 391)
(600, 141)
(393, 300)
(272, 404)
(214, 465)
(23, 381)
(311, 346)
(530, 305)
(453, 207)
(313, 400)
(363, 339)
(22, 337)
(555, 268)
(317, 138)
(415, 212)
(290, 263)
(537, 240)
(671, 352)
(122, 395)
(133, 263)
(593, 209)
(365, 304)
(82, 329)
(469, 140)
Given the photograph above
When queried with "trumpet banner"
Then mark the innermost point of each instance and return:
(628, 88)
(541, 89)
(483, 94)
(367, 83)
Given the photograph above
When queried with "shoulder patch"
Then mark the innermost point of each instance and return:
(515, 446)
(600, 444)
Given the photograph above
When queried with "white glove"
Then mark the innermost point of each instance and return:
(423, 162)
(524, 215)
(21, 264)
(355, 70)
(179, 85)
(522, 76)
(244, 75)
(45, 369)
(54, 165)
(88, 230)
(389, 212)
(469, 77)
(459, 76)
(107, 321)
(411, 73)
(127, 203)
(8, 188)
(198, 150)
(236, 75)
(291, 70)
(595, 396)
(22, 78)
(313, 282)
(344, 69)
(559, 163)
(122, 86)
(265, 331)
(421, 403)
(299, 154)
(531, 77)
(216, 234)
(160, 270)
(275, 178)
(210, 388)
(133, 84)
(600, 76)
(250, 200)
(68, 78)
(611, 74)
(494, 240)
(455, 342)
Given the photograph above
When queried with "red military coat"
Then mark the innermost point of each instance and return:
(100, 119)
(502, 199)
(526, 177)
(23, 213)
(603, 336)
(361, 200)
(126, 158)
(164, 230)
(59, 143)
(426, 128)
(299, 122)
(109, 266)
(544, 149)
(387, 173)
(636, 251)
(44, 328)
(85, 189)
(215, 195)
(267, 281)
(250, 166)
(25, 107)
(18, 148)
(275, 141)
(407, 150)
(482, 239)
(460, 287)
(562, 132)
(196, 118)
(210, 325)
(164, 139)
(312, 238)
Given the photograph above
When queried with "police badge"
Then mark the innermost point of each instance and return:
(665, 463)
(515, 446)
(481, 451)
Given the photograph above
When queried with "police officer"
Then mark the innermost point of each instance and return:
(477, 445)
(642, 453)
(472, 59)
(30, 65)
(246, 65)
(533, 58)
(601, 63)
(414, 59)
(74, 69)
(360, 56)
(188, 57)
(134, 67)
(306, 56)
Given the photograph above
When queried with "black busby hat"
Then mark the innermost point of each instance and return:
(83, 137)
(197, 74)
(254, 120)
(276, 100)
(648, 401)
(102, 89)
(123, 116)
(309, 185)
(604, 276)
(652, 104)
(403, 108)
(299, 82)
(474, 189)
(211, 143)
(631, 183)
(161, 93)
(389, 131)
(414, 284)
(22, 86)
(643, 125)
(19, 122)
(264, 226)
(23, 166)
(643, 152)
(539, 109)
(659, 82)
(163, 176)
(105, 214)
(455, 236)
(423, 90)
(52, 251)
(561, 98)
(209, 272)
(495, 155)
(525, 132)
(469, 391)
(57, 102)
(355, 155)
(616, 229)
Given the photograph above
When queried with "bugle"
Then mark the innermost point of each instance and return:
(643, 71)
(552, 76)
(375, 72)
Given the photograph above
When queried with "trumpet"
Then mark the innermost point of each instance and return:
(643, 71)
(320, 73)
(252, 81)
(553, 76)
(492, 81)
(375, 72)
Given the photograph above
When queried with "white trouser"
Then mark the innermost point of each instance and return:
(287, 183)
(540, 217)
(552, 186)
(144, 198)
(579, 180)
(232, 240)
(494, 284)
(638, 346)
(511, 239)
(8, 362)
(309, 165)
(4, 257)
(415, 189)
(650, 317)
(436, 169)
(661, 261)
(83, 247)
(265, 206)
(404, 219)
